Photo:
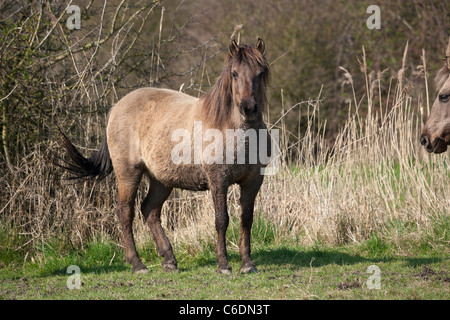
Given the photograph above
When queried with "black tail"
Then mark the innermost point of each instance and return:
(98, 166)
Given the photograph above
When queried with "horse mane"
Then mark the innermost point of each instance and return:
(442, 76)
(444, 72)
(217, 103)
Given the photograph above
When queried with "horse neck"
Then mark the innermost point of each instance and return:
(234, 121)
(231, 120)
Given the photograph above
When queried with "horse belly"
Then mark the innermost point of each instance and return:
(182, 176)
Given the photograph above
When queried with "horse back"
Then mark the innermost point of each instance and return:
(139, 133)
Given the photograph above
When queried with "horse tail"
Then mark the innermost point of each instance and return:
(98, 166)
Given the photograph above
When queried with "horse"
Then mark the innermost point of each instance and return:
(436, 131)
(140, 142)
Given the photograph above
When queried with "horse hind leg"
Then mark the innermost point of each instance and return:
(128, 180)
(151, 210)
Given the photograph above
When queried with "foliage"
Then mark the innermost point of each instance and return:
(351, 167)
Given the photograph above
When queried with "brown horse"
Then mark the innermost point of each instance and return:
(140, 140)
(436, 132)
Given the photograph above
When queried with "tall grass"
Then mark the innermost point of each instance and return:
(374, 179)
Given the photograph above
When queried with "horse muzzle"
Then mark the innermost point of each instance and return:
(436, 146)
(248, 109)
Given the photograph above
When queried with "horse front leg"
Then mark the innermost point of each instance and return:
(219, 195)
(247, 200)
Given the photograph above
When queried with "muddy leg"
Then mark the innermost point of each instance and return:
(219, 195)
(248, 195)
(151, 210)
(128, 185)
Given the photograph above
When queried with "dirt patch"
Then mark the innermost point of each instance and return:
(113, 284)
(347, 285)
(23, 284)
(428, 274)
(119, 284)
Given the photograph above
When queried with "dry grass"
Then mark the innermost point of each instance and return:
(375, 175)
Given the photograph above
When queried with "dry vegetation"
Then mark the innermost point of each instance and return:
(375, 179)
(368, 175)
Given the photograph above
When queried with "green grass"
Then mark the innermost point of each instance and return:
(286, 271)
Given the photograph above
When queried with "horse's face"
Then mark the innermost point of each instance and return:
(436, 132)
(248, 87)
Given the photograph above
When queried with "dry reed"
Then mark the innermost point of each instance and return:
(375, 174)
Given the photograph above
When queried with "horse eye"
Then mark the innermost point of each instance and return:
(234, 74)
(444, 97)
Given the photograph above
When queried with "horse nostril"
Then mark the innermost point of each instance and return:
(250, 108)
(424, 140)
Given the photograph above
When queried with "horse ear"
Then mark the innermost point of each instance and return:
(260, 45)
(233, 47)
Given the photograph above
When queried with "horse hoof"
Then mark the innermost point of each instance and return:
(224, 271)
(140, 271)
(169, 267)
(249, 269)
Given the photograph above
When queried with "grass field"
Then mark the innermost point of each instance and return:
(285, 271)
(374, 198)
